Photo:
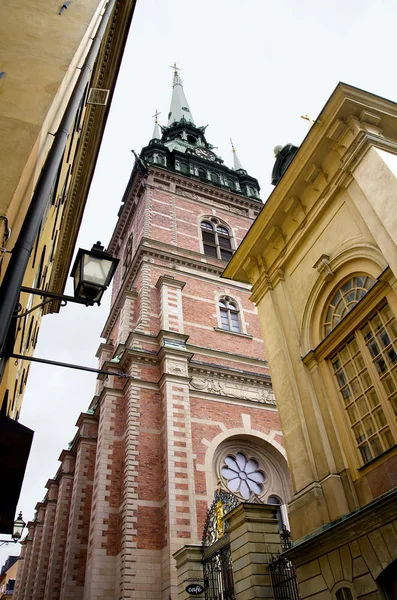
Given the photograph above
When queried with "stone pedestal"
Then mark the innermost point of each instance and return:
(189, 568)
(254, 538)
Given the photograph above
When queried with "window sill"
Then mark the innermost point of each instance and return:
(384, 454)
(244, 335)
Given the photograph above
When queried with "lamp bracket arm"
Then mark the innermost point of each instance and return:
(27, 312)
(55, 296)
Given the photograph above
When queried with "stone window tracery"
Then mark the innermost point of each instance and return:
(243, 475)
(216, 239)
(345, 299)
(229, 313)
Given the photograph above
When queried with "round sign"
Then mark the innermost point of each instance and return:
(194, 589)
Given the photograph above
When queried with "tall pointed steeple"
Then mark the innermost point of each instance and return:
(156, 129)
(237, 166)
(179, 108)
(182, 147)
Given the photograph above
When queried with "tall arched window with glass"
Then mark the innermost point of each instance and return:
(365, 371)
(216, 240)
(229, 313)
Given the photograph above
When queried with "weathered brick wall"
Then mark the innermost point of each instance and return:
(194, 387)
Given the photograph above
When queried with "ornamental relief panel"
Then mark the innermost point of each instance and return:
(233, 389)
(176, 367)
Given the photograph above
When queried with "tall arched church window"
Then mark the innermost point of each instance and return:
(345, 299)
(216, 240)
(229, 313)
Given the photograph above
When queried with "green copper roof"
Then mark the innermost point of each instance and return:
(179, 108)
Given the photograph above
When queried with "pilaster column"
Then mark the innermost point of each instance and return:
(254, 538)
(374, 199)
(36, 546)
(127, 317)
(23, 566)
(80, 509)
(180, 508)
(48, 528)
(189, 568)
(104, 536)
(64, 479)
(171, 309)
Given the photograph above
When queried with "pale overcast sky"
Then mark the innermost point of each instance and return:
(250, 68)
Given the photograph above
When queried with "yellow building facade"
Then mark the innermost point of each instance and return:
(322, 261)
(44, 47)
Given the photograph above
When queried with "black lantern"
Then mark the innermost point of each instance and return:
(19, 525)
(92, 272)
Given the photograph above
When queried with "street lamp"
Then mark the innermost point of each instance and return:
(92, 272)
(19, 525)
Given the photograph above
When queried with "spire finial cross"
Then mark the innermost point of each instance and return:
(176, 69)
(156, 114)
(233, 148)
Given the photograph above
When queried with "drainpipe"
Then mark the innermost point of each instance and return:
(11, 286)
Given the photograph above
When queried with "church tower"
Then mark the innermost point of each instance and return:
(199, 408)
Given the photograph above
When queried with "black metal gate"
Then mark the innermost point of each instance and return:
(217, 558)
(283, 575)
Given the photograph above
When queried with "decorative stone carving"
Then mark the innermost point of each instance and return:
(176, 367)
(323, 267)
(233, 389)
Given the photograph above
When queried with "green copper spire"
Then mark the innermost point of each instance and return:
(179, 108)
(237, 166)
(156, 129)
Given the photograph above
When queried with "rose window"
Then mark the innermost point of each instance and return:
(243, 475)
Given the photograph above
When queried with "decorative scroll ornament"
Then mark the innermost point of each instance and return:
(215, 526)
(234, 390)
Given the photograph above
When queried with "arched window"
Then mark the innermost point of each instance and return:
(229, 313)
(344, 593)
(214, 178)
(216, 240)
(345, 298)
(183, 168)
(388, 581)
(230, 184)
(202, 174)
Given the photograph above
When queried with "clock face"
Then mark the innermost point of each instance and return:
(204, 153)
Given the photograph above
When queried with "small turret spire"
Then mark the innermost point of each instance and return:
(179, 108)
(156, 129)
(236, 162)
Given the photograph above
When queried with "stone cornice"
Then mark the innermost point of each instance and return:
(207, 192)
(360, 522)
(180, 186)
(104, 76)
(345, 130)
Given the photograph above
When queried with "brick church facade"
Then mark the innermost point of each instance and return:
(135, 484)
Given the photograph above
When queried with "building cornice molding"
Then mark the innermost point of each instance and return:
(104, 76)
(346, 127)
(360, 522)
(146, 251)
